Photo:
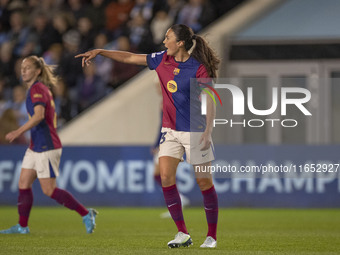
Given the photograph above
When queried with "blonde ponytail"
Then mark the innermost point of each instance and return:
(47, 75)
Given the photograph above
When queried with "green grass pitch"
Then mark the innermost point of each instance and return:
(56, 230)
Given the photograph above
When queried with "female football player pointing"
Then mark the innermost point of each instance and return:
(42, 158)
(184, 129)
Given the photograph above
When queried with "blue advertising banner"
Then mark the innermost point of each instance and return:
(245, 176)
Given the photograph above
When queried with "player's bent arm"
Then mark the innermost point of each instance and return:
(38, 116)
(205, 140)
(120, 56)
(211, 113)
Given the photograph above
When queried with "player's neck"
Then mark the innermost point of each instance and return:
(29, 83)
(182, 56)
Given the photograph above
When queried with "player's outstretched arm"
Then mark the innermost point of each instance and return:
(120, 56)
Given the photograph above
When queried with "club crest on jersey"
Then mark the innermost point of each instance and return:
(176, 71)
(172, 86)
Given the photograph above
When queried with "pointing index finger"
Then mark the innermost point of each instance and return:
(79, 55)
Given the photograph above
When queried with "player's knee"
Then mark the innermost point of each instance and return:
(23, 184)
(168, 179)
(48, 191)
(204, 183)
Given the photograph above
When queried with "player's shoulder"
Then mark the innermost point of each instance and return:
(39, 85)
(39, 89)
(201, 71)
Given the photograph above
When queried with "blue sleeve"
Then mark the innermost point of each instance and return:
(154, 59)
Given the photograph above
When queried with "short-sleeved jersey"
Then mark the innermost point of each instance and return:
(181, 101)
(44, 136)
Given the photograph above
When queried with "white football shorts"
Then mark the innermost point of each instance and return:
(46, 163)
(174, 143)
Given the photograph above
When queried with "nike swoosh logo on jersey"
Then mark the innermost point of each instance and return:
(172, 204)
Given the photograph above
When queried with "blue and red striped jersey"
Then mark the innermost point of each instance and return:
(181, 101)
(44, 136)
